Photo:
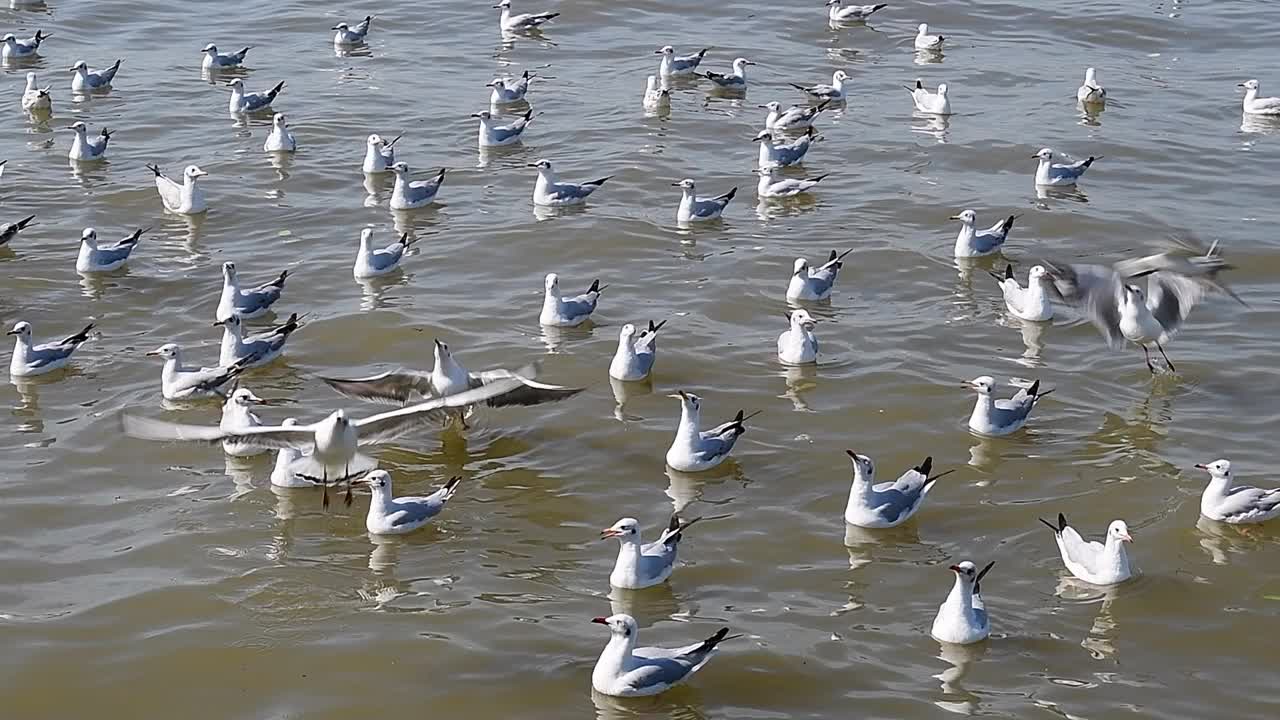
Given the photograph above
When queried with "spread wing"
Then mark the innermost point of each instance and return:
(388, 426)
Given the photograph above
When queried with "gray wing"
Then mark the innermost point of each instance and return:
(1170, 298)
(414, 510)
(387, 257)
(102, 256)
(1068, 172)
(579, 306)
(419, 190)
(507, 132)
(659, 672)
(1243, 503)
(388, 426)
(891, 502)
(656, 558)
(297, 437)
(98, 145)
(256, 101)
(1095, 291)
(528, 392)
(395, 387)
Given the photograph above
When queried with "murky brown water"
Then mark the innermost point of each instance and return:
(143, 580)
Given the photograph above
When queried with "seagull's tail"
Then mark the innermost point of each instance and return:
(652, 327)
(406, 241)
(702, 53)
(450, 488)
(243, 51)
(271, 95)
(599, 182)
(1085, 165)
(27, 221)
(279, 281)
(818, 178)
(80, 337)
(1007, 225)
(821, 106)
(1008, 274)
(596, 287)
(799, 87)
(876, 7)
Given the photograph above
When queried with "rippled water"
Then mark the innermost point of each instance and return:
(143, 579)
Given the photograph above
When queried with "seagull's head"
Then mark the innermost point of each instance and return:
(503, 4)
(664, 50)
(1037, 273)
(229, 270)
(232, 323)
(763, 135)
(236, 83)
(22, 329)
(839, 76)
(8, 38)
(686, 183)
(31, 78)
(1090, 75)
(833, 2)
(627, 332)
(377, 480)
(966, 570)
(552, 283)
(366, 236)
(620, 624)
(803, 319)
(244, 397)
(942, 88)
(772, 106)
(1216, 469)
(923, 29)
(279, 120)
(800, 267)
(693, 402)
(80, 65)
(441, 349)
(210, 48)
(167, 351)
(341, 26)
(862, 464)
(739, 63)
(399, 168)
(340, 418)
(1133, 293)
(89, 235)
(193, 171)
(289, 422)
(625, 529)
(543, 164)
(77, 127)
(968, 217)
(483, 115)
(768, 172)
(1120, 531)
(983, 384)
(496, 82)
(1044, 154)
(1249, 85)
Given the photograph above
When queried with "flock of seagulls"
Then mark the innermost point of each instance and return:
(1143, 301)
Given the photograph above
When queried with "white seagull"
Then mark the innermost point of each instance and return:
(84, 80)
(972, 242)
(773, 185)
(243, 102)
(838, 12)
(279, 139)
(509, 90)
(559, 311)
(281, 474)
(1238, 505)
(696, 450)
(181, 382)
(641, 565)
(253, 350)
(1051, 174)
(36, 99)
(635, 356)
(794, 118)
(734, 80)
(994, 417)
(379, 155)
(695, 209)
(373, 261)
(214, 61)
(1091, 92)
(390, 515)
(673, 65)
(84, 149)
(1092, 561)
(237, 414)
(98, 258)
(1030, 302)
(492, 135)
(345, 35)
(185, 198)
(774, 154)
(797, 345)
(813, 284)
(934, 103)
(413, 194)
(625, 670)
(14, 48)
(9, 231)
(925, 41)
(521, 22)
(962, 618)
(656, 94)
(549, 191)
(886, 504)
(29, 360)
(248, 304)
(831, 93)
(1255, 105)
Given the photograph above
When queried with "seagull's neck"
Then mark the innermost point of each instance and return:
(235, 415)
(740, 69)
(690, 194)
(689, 423)
(1250, 94)
(862, 479)
(382, 497)
(1091, 79)
(628, 556)
(616, 658)
(1115, 555)
(31, 85)
(961, 596)
(1218, 484)
(981, 415)
(546, 176)
(89, 242)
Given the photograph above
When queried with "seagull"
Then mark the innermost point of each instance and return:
(1240, 505)
(97, 258)
(186, 198)
(1255, 105)
(522, 22)
(792, 119)
(213, 61)
(15, 48)
(695, 450)
(85, 150)
(558, 311)
(656, 95)
(372, 261)
(281, 474)
(255, 350)
(695, 209)
(735, 80)
(390, 515)
(180, 382)
(786, 154)
(925, 41)
(248, 304)
(237, 414)
(673, 65)
(962, 618)
(639, 565)
(635, 355)
(509, 90)
(1091, 92)
(993, 417)
(380, 155)
(833, 92)
(346, 35)
(31, 360)
(85, 80)
(1051, 174)
(1030, 302)
(9, 231)
(549, 191)
(933, 103)
(887, 504)
(36, 99)
(413, 194)
(501, 135)
(625, 670)
(798, 345)
(812, 284)
(449, 377)
(1093, 562)
(773, 185)
(279, 139)
(971, 242)
(838, 12)
(242, 102)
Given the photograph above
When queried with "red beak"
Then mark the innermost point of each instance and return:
(1200, 466)
(600, 620)
(954, 568)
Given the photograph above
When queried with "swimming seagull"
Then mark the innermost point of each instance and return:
(186, 198)
(838, 12)
(887, 504)
(971, 242)
(1255, 105)
(635, 356)
(1001, 417)
(412, 194)
(281, 475)
(642, 565)
(1051, 174)
(934, 103)
(625, 670)
(673, 65)
(242, 102)
(380, 155)
(696, 450)
(549, 191)
(773, 154)
(372, 261)
(85, 150)
(237, 414)
(391, 515)
(797, 345)
(773, 185)
(925, 41)
(962, 618)
(344, 34)
(248, 304)
(833, 92)
(253, 350)
(1093, 562)
(9, 231)
(812, 284)
(509, 90)
(558, 311)
(279, 139)
(492, 135)
(98, 258)
(213, 61)
(792, 119)
(1239, 505)
(85, 79)
(1029, 303)
(524, 21)
(36, 99)
(1091, 92)
(735, 80)
(656, 95)
(26, 48)
(181, 382)
(29, 360)
(695, 209)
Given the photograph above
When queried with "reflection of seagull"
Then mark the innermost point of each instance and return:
(625, 670)
(1093, 562)
(886, 504)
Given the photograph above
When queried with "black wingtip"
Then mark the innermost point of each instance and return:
(702, 52)
(655, 328)
(820, 177)
(284, 275)
(925, 467)
(154, 168)
(595, 286)
(1034, 390)
(1062, 522)
(1049, 525)
(729, 195)
(1008, 271)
